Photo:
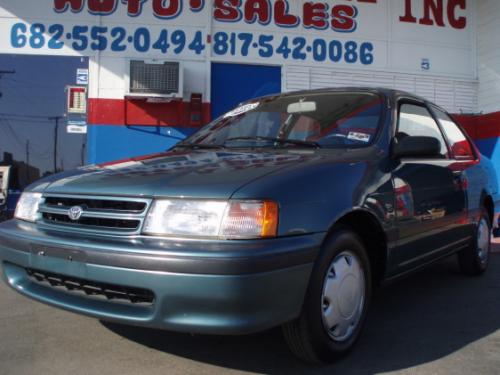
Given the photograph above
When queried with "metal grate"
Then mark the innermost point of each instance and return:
(92, 222)
(92, 289)
(154, 78)
(104, 214)
(96, 204)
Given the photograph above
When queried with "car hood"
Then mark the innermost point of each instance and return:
(200, 174)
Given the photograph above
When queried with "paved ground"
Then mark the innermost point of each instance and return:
(435, 322)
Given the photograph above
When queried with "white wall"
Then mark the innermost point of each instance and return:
(455, 95)
(489, 55)
(399, 48)
(109, 77)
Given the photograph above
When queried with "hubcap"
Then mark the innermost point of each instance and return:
(343, 296)
(483, 241)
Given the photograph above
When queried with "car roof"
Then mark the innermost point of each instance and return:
(390, 93)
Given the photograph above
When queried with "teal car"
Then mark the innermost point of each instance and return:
(287, 210)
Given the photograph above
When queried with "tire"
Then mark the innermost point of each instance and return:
(474, 260)
(342, 270)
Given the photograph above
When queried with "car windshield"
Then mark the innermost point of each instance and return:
(330, 120)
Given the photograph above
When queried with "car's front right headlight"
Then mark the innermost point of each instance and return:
(212, 218)
(27, 206)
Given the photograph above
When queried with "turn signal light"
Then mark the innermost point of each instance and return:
(247, 219)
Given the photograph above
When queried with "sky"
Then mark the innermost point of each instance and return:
(28, 98)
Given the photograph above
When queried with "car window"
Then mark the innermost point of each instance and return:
(415, 120)
(459, 144)
(330, 120)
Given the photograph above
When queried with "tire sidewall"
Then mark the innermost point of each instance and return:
(324, 345)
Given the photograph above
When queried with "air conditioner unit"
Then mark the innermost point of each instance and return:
(155, 80)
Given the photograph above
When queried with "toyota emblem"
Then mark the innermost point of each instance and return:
(75, 213)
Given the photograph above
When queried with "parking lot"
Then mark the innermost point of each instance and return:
(435, 321)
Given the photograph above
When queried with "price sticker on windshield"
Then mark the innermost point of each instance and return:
(242, 109)
(361, 137)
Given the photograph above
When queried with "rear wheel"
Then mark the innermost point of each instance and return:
(474, 259)
(336, 302)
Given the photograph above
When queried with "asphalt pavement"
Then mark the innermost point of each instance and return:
(434, 322)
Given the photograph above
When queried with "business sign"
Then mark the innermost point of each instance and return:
(347, 33)
(76, 129)
(82, 76)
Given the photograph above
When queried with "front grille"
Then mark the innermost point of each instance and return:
(107, 214)
(92, 221)
(97, 204)
(92, 289)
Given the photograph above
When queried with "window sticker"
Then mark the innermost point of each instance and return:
(362, 137)
(242, 109)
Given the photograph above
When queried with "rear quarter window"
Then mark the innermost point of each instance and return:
(459, 144)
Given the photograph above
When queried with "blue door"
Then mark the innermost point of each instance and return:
(234, 83)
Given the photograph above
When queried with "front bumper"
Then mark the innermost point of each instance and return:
(214, 287)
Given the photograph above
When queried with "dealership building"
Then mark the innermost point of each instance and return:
(151, 72)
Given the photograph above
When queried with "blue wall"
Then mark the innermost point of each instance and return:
(491, 149)
(107, 143)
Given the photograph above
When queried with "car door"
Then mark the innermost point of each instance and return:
(465, 165)
(429, 198)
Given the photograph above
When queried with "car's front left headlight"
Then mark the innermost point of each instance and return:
(216, 219)
(27, 206)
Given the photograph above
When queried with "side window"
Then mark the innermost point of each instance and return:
(415, 120)
(459, 144)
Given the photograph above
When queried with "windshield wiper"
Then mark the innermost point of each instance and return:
(276, 140)
(204, 146)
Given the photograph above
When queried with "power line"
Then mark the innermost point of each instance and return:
(2, 72)
(42, 150)
(29, 83)
(21, 115)
(26, 121)
(9, 126)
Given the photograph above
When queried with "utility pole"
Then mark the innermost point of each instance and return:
(56, 135)
(28, 161)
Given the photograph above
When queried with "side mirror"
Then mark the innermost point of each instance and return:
(412, 146)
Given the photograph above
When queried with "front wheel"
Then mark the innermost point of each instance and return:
(474, 259)
(336, 302)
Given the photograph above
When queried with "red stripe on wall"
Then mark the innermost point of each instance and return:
(140, 112)
(480, 126)
(185, 114)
